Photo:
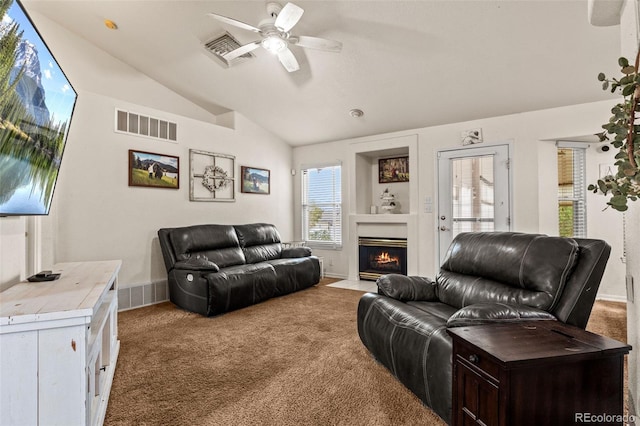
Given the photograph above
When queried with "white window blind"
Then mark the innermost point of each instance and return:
(322, 206)
(572, 207)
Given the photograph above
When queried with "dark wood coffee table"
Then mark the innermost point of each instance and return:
(536, 373)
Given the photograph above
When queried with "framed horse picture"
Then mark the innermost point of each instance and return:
(255, 181)
(153, 170)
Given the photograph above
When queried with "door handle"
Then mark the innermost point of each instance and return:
(444, 228)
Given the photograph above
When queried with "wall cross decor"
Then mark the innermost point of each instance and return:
(212, 176)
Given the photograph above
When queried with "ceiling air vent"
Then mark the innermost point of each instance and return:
(222, 45)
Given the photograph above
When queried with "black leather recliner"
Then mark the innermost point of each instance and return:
(214, 269)
(485, 277)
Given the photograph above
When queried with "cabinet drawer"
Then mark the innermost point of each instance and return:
(479, 361)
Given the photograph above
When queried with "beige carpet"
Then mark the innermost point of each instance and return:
(293, 360)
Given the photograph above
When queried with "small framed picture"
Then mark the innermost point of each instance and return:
(255, 181)
(393, 170)
(153, 170)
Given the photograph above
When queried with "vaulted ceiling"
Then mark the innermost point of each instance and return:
(406, 64)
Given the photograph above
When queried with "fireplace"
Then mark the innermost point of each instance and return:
(380, 256)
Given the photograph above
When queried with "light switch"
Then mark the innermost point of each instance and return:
(428, 205)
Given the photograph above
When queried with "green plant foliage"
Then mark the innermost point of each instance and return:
(623, 132)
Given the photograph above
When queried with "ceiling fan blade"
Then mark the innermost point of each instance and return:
(316, 43)
(234, 22)
(241, 50)
(288, 17)
(288, 60)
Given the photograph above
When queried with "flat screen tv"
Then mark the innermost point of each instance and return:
(36, 105)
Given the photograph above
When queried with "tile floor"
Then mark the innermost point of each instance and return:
(360, 285)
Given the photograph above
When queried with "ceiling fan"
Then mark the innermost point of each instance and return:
(275, 32)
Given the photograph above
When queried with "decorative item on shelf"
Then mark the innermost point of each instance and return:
(153, 170)
(389, 203)
(471, 137)
(623, 184)
(393, 170)
(215, 173)
(255, 181)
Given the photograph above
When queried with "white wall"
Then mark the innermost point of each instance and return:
(629, 39)
(98, 216)
(12, 250)
(95, 214)
(534, 177)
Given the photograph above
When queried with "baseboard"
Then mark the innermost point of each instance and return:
(140, 295)
(611, 298)
(329, 275)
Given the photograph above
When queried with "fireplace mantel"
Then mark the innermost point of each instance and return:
(384, 225)
(381, 218)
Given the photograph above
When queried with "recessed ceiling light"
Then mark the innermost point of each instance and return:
(356, 113)
(110, 24)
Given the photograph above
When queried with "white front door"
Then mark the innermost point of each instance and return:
(473, 192)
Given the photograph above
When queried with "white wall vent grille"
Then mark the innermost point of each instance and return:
(143, 125)
(222, 45)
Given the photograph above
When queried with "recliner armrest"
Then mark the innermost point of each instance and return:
(197, 263)
(293, 252)
(486, 313)
(403, 288)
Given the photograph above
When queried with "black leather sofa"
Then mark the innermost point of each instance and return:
(214, 269)
(485, 277)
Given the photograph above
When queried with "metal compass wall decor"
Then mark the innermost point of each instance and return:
(212, 176)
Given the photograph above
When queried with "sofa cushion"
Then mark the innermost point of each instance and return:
(506, 267)
(295, 273)
(438, 309)
(259, 242)
(404, 288)
(485, 313)
(197, 262)
(239, 286)
(218, 243)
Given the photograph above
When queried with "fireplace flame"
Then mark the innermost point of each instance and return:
(384, 258)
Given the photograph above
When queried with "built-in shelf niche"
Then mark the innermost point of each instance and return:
(366, 189)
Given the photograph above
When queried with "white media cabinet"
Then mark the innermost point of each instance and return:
(59, 345)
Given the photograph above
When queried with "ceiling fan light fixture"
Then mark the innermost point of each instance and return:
(274, 44)
(275, 33)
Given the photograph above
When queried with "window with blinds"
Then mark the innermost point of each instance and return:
(322, 207)
(572, 206)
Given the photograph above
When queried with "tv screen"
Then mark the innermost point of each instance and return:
(36, 105)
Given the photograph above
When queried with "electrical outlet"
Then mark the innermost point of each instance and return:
(630, 295)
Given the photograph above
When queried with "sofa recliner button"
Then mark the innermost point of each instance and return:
(189, 277)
